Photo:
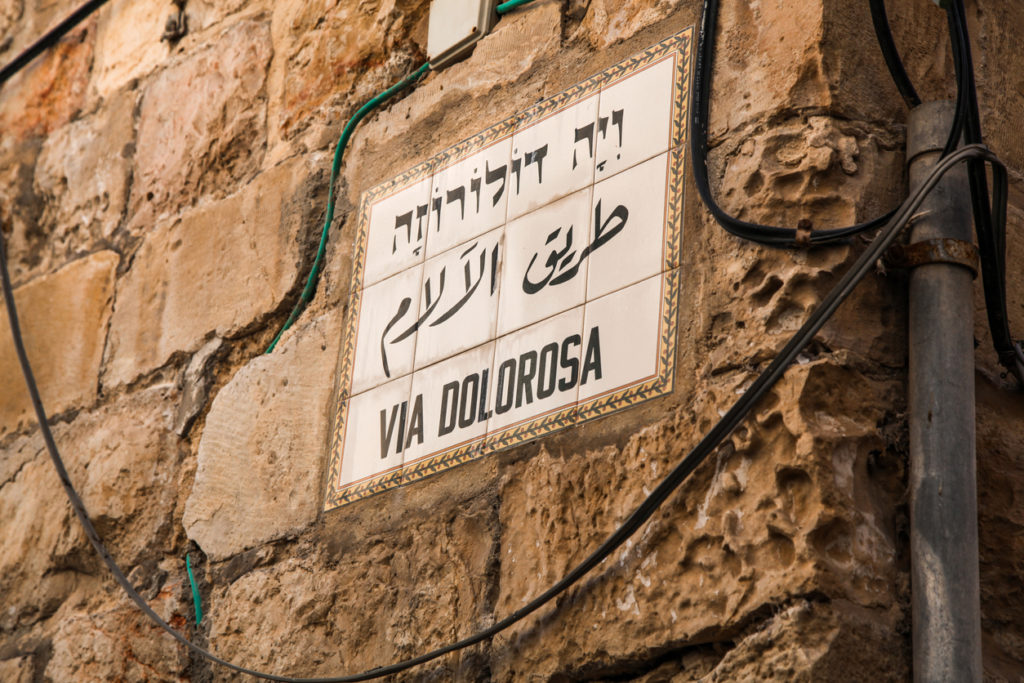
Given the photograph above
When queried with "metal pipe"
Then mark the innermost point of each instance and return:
(943, 491)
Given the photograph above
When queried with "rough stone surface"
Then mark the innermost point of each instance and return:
(1000, 452)
(815, 642)
(64, 319)
(189, 181)
(123, 55)
(800, 534)
(338, 54)
(83, 175)
(202, 122)
(123, 462)
(607, 22)
(17, 670)
(116, 642)
(261, 453)
(212, 270)
(49, 92)
(366, 598)
(195, 384)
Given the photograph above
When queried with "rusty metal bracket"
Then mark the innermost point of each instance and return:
(943, 250)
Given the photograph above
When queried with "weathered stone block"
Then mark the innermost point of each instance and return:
(216, 268)
(747, 530)
(49, 92)
(326, 49)
(115, 641)
(202, 123)
(17, 670)
(122, 55)
(63, 318)
(123, 461)
(83, 174)
(365, 599)
(10, 13)
(807, 641)
(261, 454)
(609, 21)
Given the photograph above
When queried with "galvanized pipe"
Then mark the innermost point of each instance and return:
(943, 490)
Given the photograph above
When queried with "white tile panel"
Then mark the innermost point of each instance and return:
(469, 197)
(627, 230)
(545, 269)
(620, 336)
(635, 118)
(461, 310)
(547, 160)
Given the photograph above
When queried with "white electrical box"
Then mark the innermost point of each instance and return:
(455, 26)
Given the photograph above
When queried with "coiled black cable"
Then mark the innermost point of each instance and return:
(699, 116)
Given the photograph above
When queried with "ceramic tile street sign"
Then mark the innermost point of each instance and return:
(519, 283)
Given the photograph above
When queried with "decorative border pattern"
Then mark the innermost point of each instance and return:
(659, 384)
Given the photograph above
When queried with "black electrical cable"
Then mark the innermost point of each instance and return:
(755, 232)
(636, 519)
(899, 217)
(49, 39)
(989, 219)
(960, 112)
(880, 20)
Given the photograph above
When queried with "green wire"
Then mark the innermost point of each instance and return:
(511, 5)
(195, 591)
(314, 273)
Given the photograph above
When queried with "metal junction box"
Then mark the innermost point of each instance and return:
(455, 26)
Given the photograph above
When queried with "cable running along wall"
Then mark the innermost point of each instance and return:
(991, 221)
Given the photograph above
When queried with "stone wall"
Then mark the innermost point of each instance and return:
(161, 204)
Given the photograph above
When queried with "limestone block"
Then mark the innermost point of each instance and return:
(123, 461)
(202, 122)
(41, 539)
(769, 56)
(83, 175)
(17, 670)
(121, 54)
(1000, 80)
(610, 21)
(325, 49)
(816, 167)
(115, 641)
(262, 450)
(63, 318)
(746, 530)
(817, 642)
(214, 269)
(368, 599)
(10, 13)
(49, 92)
